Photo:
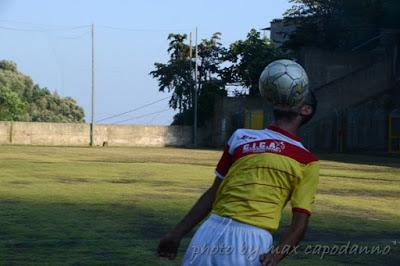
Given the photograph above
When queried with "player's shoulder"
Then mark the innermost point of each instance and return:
(312, 158)
(300, 154)
(290, 145)
(247, 135)
(305, 156)
(242, 136)
(294, 147)
(245, 132)
(309, 156)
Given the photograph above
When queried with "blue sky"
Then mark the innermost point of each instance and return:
(58, 57)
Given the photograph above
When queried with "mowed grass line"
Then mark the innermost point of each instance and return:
(109, 206)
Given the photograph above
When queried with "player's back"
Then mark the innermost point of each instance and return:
(262, 170)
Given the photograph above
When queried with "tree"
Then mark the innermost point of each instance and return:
(391, 14)
(177, 76)
(248, 59)
(8, 65)
(11, 106)
(334, 24)
(241, 64)
(22, 100)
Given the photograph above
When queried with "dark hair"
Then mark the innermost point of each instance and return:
(290, 115)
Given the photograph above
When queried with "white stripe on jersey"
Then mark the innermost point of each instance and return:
(243, 136)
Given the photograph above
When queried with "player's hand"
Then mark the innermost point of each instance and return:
(168, 246)
(268, 260)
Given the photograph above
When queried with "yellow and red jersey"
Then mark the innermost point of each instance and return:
(262, 170)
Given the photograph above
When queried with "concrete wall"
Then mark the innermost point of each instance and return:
(325, 66)
(5, 129)
(359, 128)
(352, 110)
(48, 133)
(70, 134)
(128, 135)
(353, 89)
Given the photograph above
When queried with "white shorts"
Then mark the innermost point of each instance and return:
(223, 241)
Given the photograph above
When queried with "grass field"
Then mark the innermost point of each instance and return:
(109, 206)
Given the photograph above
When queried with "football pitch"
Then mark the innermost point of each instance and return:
(109, 206)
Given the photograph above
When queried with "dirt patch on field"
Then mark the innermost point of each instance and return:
(362, 178)
(20, 182)
(153, 183)
(123, 181)
(70, 180)
(360, 193)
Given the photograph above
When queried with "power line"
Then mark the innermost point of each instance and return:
(141, 116)
(43, 30)
(66, 28)
(74, 37)
(156, 116)
(138, 29)
(132, 110)
(37, 24)
(52, 28)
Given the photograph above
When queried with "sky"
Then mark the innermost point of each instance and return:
(50, 41)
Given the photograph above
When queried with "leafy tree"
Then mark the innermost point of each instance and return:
(8, 65)
(334, 24)
(177, 76)
(391, 9)
(248, 59)
(218, 66)
(11, 106)
(22, 100)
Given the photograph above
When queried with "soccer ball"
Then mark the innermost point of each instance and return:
(284, 83)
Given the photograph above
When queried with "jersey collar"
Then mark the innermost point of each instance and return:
(283, 132)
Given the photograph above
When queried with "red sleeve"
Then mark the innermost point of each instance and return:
(300, 210)
(224, 163)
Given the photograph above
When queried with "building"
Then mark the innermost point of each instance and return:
(280, 31)
(358, 92)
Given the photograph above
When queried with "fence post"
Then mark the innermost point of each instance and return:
(11, 132)
(390, 135)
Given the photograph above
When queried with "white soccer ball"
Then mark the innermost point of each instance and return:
(284, 83)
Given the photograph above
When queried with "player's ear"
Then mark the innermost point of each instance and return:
(306, 110)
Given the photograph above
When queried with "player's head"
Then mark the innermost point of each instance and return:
(299, 115)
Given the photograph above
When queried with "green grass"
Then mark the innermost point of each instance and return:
(102, 206)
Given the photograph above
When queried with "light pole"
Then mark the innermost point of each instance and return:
(93, 122)
(196, 87)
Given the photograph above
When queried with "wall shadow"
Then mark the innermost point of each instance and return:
(35, 233)
(366, 159)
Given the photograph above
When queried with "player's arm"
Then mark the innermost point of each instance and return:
(289, 240)
(302, 200)
(169, 243)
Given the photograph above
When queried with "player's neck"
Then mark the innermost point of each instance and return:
(290, 127)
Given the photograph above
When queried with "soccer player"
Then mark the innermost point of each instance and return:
(259, 172)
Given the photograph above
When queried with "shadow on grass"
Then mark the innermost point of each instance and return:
(360, 193)
(388, 161)
(361, 178)
(329, 229)
(34, 233)
(116, 234)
